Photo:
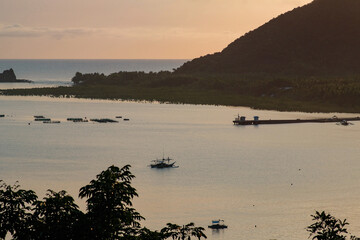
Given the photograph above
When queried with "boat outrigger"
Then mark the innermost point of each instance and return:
(163, 163)
(217, 224)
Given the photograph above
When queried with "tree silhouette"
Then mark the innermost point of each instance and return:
(171, 230)
(327, 227)
(181, 233)
(15, 207)
(57, 216)
(198, 232)
(109, 201)
(109, 213)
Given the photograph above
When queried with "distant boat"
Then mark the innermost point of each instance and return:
(126, 119)
(39, 116)
(42, 119)
(77, 119)
(118, 117)
(104, 120)
(2, 115)
(344, 123)
(51, 121)
(163, 163)
(217, 224)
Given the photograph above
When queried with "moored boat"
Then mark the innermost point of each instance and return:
(51, 121)
(217, 224)
(42, 119)
(104, 120)
(163, 163)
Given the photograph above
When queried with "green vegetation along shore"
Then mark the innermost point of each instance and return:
(307, 94)
(304, 60)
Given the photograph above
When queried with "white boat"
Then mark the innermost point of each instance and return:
(217, 224)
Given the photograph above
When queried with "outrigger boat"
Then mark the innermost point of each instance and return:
(217, 224)
(163, 163)
(344, 123)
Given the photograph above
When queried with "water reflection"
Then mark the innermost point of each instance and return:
(218, 233)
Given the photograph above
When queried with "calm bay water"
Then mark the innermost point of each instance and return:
(240, 174)
(272, 176)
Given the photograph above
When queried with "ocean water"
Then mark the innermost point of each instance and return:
(264, 181)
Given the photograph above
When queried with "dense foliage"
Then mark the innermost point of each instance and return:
(341, 92)
(109, 213)
(320, 38)
(327, 227)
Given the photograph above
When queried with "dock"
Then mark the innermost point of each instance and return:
(256, 121)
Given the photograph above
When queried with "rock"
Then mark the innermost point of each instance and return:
(9, 76)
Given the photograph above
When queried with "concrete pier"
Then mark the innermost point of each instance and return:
(319, 120)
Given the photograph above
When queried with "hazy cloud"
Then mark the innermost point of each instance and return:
(153, 33)
(20, 31)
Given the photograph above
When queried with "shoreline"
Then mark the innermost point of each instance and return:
(181, 96)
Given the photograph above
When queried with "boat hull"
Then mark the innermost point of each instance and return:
(217, 226)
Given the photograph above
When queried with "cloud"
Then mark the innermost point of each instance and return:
(134, 33)
(20, 31)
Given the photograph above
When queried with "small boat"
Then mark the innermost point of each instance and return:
(51, 121)
(42, 119)
(82, 120)
(344, 123)
(217, 224)
(163, 163)
(118, 117)
(126, 119)
(39, 116)
(77, 119)
(103, 120)
(2, 115)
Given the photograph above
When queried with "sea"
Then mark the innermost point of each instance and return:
(264, 181)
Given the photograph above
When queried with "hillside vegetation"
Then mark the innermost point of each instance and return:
(307, 59)
(320, 38)
(309, 94)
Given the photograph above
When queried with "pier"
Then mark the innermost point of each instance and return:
(241, 121)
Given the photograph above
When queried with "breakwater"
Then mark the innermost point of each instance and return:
(239, 121)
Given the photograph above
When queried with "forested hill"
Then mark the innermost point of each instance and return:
(320, 38)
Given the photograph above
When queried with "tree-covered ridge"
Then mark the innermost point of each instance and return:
(341, 92)
(109, 215)
(320, 38)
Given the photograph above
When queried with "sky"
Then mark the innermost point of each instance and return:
(129, 29)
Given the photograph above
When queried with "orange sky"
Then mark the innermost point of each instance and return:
(129, 29)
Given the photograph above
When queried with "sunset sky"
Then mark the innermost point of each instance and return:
(128, 29)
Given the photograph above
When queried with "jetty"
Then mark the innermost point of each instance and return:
(241, 120)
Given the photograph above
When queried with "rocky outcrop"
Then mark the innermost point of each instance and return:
(9, 76)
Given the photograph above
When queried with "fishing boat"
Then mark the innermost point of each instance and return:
(51, 121)
(42, 119)
(104, 120)
(163, 163)
(217, 224)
